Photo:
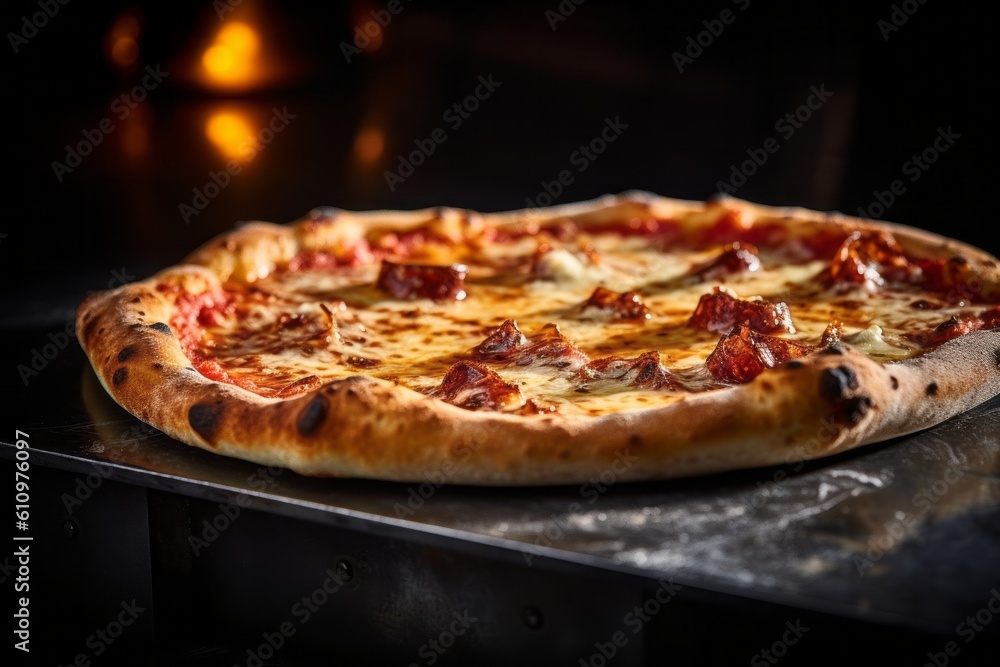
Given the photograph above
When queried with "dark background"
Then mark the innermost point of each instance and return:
(119, 210)
(116, 216)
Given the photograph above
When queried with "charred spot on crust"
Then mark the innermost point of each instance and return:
(126, 353)
(204, 419)
(854, 409)
(88, 328)
(894, 381)
(162, 327)
(157, 366)
(835, 383)
(120, 376)
(136, 300)
(795, 363)
(313, 415)
(634, 440)
(932, 389)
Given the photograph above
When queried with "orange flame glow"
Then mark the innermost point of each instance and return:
(230, 132)
(231, 60)
(369, 144)
(122, 41)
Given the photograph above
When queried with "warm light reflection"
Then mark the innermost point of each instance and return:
(232, 57)
(240, 37)
(122, 40)
(369, 144)
(368, 31)
(231, 132)
(135, 131)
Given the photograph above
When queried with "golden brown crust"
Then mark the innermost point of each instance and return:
(366, 427)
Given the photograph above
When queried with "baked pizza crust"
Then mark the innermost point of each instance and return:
(362, 426)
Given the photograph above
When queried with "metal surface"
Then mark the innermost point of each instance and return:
(906, 532)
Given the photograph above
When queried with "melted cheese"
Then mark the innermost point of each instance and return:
(415, 342)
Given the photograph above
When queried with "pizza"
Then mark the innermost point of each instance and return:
(632, 336)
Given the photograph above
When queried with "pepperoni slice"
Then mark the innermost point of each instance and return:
(721, 310)
(644, 371)
(957, 326)
(744, 354)
(475, 387)
(617, 305)
(735, 258)
(422, 281)
(546, 347)
(501, 344)
(869, 257)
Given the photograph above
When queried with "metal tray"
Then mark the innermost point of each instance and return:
(906, 532)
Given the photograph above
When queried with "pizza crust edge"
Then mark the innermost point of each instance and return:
(365, 427)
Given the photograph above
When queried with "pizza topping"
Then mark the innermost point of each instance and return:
(501, 344)
(870, 259)
(616, 305)
(956, 281)
(956, 326)
(873, 342)
(356, 252)
(361, 362)
(663, 229)
(744, 354)
(475, 387)
(721, 310)
(735, 258)
(422, 281)
(291, 331)
(644, 371)
(559, 265)
(546, 347)
(832, 334)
